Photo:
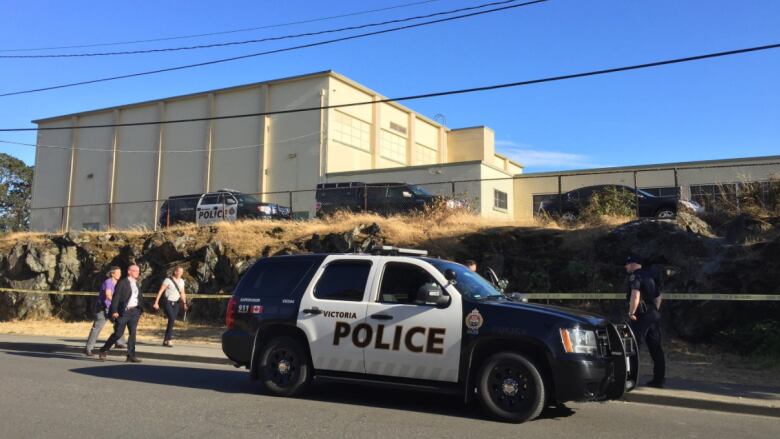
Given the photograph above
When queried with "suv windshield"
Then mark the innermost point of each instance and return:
(468, 283)
(246, 199)
(419, 191)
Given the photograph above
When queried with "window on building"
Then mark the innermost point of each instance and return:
(499, 199)
(393, 147)
(343, 280)
(351, 131)
(714, 195)
(663, 192)
(541, 198)
(424, 155)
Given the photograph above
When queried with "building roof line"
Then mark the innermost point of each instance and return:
(773, 159)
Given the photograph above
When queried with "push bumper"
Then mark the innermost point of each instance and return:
(607, 376)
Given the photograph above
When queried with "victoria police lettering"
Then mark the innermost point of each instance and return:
(363, 334)
(339, 314)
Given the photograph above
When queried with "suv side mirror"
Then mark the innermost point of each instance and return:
(432, 294)
(450, 275)
(230, 200)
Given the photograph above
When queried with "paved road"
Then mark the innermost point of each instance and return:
(60, 395)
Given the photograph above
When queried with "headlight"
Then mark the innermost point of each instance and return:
(579, 341)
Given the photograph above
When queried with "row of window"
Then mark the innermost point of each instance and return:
(357, 134)
(344, 280)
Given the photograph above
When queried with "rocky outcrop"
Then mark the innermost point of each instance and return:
(686, 254)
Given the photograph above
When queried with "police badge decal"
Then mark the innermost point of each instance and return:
(473, 322)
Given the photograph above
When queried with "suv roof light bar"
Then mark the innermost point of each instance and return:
(389, 250)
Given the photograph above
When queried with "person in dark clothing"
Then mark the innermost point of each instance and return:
(644, 305)
(126, 311)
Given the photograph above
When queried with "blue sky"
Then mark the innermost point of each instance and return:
(704, 110)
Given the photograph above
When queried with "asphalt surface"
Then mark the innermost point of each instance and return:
(66, 395)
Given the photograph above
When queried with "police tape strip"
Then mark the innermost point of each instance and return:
(529, 296)
(94, 293)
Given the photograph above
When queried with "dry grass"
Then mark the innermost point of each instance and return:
(151, 328)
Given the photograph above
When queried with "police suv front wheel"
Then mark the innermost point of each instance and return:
(284, 367)
(510, 387)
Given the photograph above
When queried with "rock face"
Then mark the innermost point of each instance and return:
(686, 255)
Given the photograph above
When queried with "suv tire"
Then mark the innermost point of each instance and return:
(284, 367)
(511, 387)
(665, 213)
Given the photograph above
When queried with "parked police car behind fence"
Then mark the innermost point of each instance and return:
(419, 323)
(222, 205)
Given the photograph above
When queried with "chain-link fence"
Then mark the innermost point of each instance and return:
(655, 192)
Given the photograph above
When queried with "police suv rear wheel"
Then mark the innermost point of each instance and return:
(511, 388)
(284, 367)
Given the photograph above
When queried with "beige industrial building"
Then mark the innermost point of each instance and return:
(109, 176)
(94, 178)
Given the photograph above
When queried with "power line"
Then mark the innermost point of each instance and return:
(435, 94)
(233, 31)
(165, 151)
(269, 52)
(261, 40)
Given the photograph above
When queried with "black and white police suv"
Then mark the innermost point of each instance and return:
(419, 323)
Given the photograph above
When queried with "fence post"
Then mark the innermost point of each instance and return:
(365, 198)
(636, 195)
(453, 188)
(560, 193)
(62, 220)
(290, 194)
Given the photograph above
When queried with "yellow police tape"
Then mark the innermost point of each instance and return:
(529, 296)
(94, 293)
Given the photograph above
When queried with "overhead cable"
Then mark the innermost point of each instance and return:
(262, 40)
(225, 32)
(269, 52)
(435, 94)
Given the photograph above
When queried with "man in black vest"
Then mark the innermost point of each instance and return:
(644, 304)
(126, 311)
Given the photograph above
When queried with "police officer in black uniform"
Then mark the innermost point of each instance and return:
(644, 304)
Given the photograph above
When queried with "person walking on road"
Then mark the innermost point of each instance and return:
(175, 298)
(644, 305)
(102, 306)
(126, 311)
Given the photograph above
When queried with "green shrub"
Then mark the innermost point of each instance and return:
(612, 201)
(760, 339)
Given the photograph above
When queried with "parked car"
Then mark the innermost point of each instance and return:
(382, 198)
(222, 205)
(570, 204)
(402, 320)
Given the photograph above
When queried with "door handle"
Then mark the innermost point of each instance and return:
(313, 311)
(381, 316)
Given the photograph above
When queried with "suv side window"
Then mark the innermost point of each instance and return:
(275, 278)
(343, 280)
(210, 199)
(402, 282)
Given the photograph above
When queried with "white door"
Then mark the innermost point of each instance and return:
(412, 338)
(333, 313)
(209, 210)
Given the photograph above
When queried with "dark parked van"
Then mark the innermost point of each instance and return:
(571, 203)
(222, 205)
(382, 198)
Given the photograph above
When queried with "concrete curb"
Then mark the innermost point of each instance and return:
(703, 404)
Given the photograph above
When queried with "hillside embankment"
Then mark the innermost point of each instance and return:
(740, 255)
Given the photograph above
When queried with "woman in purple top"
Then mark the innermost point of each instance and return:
(102, 306)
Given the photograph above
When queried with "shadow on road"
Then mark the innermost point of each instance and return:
(237, 382)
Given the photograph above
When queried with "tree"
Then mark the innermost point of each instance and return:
(15, 194)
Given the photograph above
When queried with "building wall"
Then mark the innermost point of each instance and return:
(50, 182)
(529, 185)
(496, 180)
